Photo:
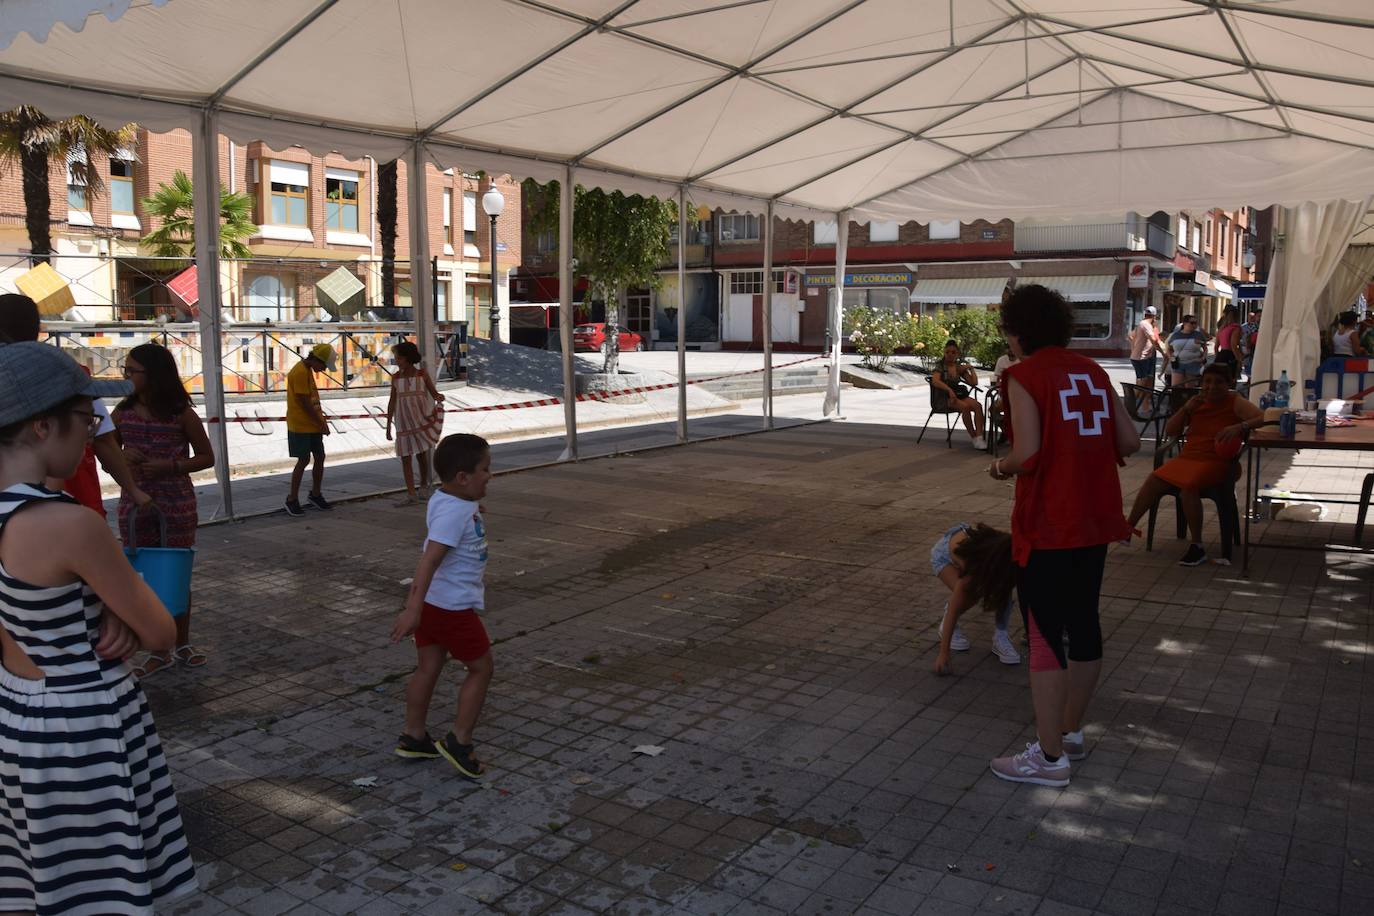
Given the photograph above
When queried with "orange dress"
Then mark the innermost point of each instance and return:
(1198, 465)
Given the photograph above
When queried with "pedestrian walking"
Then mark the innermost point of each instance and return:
(89, 820)
(306, 427)
(417, 409)
(974, 563)
(1187, 349)
(442, 610)
(1066, 444)
(1145, 347)
(19, 321)
(164, 443)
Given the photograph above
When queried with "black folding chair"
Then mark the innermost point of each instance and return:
(1135, 398)
(940, 404)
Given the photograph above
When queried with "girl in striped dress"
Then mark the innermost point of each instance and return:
(417, 409)
(88, 818)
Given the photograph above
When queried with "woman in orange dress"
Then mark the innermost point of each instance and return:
(1212, 419)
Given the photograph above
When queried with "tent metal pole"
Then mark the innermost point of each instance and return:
(566, 279)
(768, 320)
(205, 155)
(835, 320)
(421, 284)
(682, 315)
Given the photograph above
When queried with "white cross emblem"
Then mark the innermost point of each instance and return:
(1084, 404)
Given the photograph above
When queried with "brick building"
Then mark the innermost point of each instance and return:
(315, 215)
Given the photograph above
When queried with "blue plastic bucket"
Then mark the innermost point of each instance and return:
(167, 570)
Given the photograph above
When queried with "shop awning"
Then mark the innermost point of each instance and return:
(961, 290)
(1076, 289)
(1222, 287)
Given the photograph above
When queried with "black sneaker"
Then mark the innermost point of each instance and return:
(416, 748)
(293, 508)
(1195, 556)
(460, 755)
(319, 502)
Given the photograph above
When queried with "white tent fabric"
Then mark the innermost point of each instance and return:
(1355, 270)
(889, 107)
(1314, 239)
(1076, 289)
(960, 290)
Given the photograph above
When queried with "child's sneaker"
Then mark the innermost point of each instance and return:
(1195, 556)
(460, 755)
(1073, 745)
(959, 642)
(1031, 766)
(1001, 647)
(319, 502)
(293, 508)
(416, 748)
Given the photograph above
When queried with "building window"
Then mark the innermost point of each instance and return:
(290, 188)
(448, 213)
(1197, 238)
(340, 200)
(470, 217)
(1221, 238)
(121, 184)
(545, 242)
(882, 231)
(739, 227)
(826, 232)
(1182, 231)
(944, 229)
(698, 232)
(1092, 320)
(746, 282)
(639, 311)
(77, 198)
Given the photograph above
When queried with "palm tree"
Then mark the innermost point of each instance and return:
(386, 229)
(34, 141)
(174, 207)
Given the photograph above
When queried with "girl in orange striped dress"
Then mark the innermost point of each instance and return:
(417, 409)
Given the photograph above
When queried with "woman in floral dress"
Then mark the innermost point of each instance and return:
(164, 443)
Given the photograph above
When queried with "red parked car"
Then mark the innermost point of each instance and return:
(593, 337)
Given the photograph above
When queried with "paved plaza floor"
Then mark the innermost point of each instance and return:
(762, 609)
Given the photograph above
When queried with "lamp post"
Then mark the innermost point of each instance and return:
(493, 203)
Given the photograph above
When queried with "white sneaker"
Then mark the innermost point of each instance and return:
(980, 444)
(1073, 745)
(1031, 766)
(1001, 647)
(958, 642)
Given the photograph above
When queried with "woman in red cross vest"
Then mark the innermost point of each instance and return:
(1066, 447)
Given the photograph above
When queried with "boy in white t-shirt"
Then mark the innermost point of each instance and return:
(441, 610)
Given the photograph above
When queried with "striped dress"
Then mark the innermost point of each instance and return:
(88, 818)
(418, 424)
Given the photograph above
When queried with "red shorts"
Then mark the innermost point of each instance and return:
(460, 632)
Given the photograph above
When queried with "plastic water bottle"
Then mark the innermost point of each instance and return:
(1281, 389)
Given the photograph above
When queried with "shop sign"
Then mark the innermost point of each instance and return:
(891, 278)
(1138, 275)
(1163, 279)
(1203, 278)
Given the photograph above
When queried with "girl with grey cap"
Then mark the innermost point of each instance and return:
(89, 821)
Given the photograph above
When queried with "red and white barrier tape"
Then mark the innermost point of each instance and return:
(541, 402)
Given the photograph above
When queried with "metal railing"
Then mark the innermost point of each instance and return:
(1103, 237)
(256, 358)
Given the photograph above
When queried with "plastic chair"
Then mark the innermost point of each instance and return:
(1133, 396)
(939, 404)
(1222, 495)
(992, 412)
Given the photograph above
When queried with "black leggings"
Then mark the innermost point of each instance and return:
(1059, 592)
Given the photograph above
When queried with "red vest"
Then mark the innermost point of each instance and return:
(1069, 494)
(84, 485)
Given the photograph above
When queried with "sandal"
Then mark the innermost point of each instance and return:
(151, 665)
(190, 656)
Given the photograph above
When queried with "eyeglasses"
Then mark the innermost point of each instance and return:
(92, 420)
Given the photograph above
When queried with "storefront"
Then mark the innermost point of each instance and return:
(878, 287)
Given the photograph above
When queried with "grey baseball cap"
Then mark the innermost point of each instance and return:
(35, 377)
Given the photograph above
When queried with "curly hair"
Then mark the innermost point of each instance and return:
(985, 555)
(408, 351)
(1038, 316)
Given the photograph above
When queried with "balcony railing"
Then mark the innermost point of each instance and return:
(1102, 237)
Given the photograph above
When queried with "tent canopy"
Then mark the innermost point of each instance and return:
(895, 109)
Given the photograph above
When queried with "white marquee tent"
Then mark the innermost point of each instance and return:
(830, 109)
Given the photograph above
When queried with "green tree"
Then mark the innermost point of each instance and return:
(34, 141)
(386, 229)
(174, 206)
(619, 242)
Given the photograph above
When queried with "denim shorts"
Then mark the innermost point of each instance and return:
(939, 554)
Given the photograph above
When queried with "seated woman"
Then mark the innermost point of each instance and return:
(950, 383)
(1211, 419)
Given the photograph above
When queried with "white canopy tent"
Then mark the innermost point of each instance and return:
(829, 109)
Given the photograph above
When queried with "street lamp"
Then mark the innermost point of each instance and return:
(493, 203)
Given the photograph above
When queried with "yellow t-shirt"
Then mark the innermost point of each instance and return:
(300, 380)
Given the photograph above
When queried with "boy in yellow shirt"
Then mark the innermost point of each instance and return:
(306, 426)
